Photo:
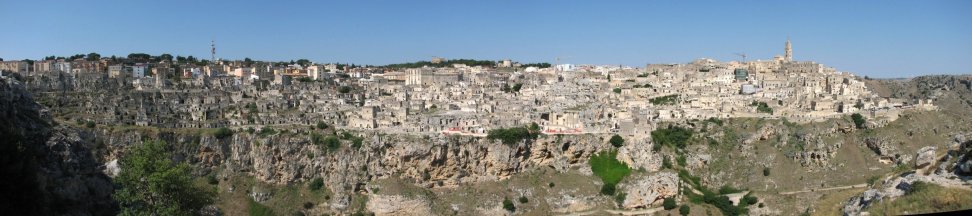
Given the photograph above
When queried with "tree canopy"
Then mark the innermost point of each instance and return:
(150, 183)
(448, 63)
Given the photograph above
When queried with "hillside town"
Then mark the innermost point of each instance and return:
(464, 97)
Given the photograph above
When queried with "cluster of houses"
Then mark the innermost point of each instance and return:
(455, 99)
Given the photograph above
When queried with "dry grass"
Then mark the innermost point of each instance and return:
(929, 198)
(832, 203)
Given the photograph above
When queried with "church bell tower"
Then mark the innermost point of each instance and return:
(788, 53)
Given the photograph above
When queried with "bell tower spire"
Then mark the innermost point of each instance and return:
(788, 53)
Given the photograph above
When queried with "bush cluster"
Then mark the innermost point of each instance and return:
(510, 136)
(672, 136)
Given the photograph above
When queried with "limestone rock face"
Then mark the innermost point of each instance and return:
(640, 156)
(647, 190)
(47, 169)
(882, 147)
(431, 161)
(856, 204)
(398, 205)
(925, 156)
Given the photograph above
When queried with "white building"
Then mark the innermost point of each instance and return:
(315, 72)
(138, 70)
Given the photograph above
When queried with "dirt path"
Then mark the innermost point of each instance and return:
(825, 189)
(635, 212)
(581, 213)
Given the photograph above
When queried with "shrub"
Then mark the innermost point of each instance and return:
(266, 131)
(308, 205)
(617, 141)
(211, 179)
(749, 200)
(726, 189)
(344, 89)
(617, 90)
(858, 120)
(620, 198)
(672, 136)
(684, 210)
(89, 124)
(664, 100)
(356, 142)
(667, 164)
(762, 107)
(551, 184)
(524, 199)
(222, 133)
(680, 159)
(873, 179)
(608, 189)
(508, 205)
(510, 136)
(669, 203)
(331, 143)
(316, 184)
(321, 125)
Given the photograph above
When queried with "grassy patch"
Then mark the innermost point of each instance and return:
(609, 169)
(257, 209)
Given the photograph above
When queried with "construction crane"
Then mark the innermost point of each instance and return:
(743, 55)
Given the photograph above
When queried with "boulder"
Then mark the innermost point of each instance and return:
(925, 156)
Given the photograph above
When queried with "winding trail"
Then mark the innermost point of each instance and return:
(825, 189)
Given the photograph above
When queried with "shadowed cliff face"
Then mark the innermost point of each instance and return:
(46, 169)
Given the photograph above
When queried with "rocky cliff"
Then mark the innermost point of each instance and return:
(432, 161)
(47, 169)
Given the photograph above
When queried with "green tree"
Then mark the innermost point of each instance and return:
(617, 141)
(165, 56)
(684, 210)
(222, 132)
(93, 57)
(303, 62)
(344, 89)
(858, 120)
(669, 203)
(316, 184)
(617, 90)
(508, 204)
(150, 183)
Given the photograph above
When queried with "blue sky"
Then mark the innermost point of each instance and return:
(875, 38)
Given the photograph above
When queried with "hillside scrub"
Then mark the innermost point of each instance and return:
(511, 136)
(672, 136)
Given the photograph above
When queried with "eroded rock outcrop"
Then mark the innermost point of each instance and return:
(643, 191)
(47, 169)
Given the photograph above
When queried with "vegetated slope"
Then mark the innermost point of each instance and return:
(46, 169)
